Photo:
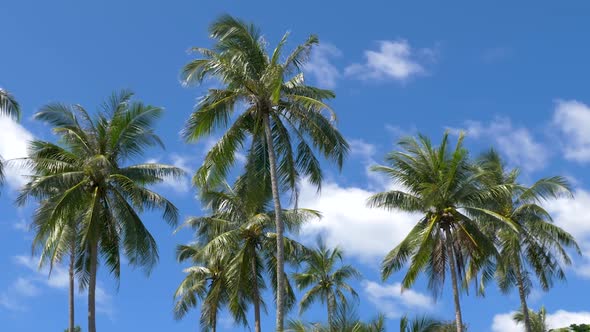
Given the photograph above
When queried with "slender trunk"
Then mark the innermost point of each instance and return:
(92, 287)
(256, 297)
(330, 303)
(71, 273)
(214, 321)
(458, 316)
(522, 294)
(279, 225)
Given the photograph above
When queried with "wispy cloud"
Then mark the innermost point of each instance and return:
(392, 301)
(24, 287)
(395, 60)
(320, 65)
(516, 143)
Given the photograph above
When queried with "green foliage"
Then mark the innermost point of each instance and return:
(327, 280)
(539, 247)
(257, 85)
(236, 245)
(76, 329)
(538, 319)
(8, 107)
(345, 320)
(85, 187)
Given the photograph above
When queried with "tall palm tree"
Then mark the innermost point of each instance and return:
(537, 320)
(8, 107)
(443, 186)
(539, 248)
(327, 280)
(207, 281)
(277, 112)
(86, 175)
(241, 224)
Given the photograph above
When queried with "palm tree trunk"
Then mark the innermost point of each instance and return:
(458, 316)
(71, 293)
(256, 297)
(522, 294)
(279, 225)
(330, 304)
(214, 321)
(92, 287)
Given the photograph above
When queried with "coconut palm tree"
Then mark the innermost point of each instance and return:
(539, 248)
(265, 101)
(87, 175)
(242, 225)
(538, 321)
(8, 107)
(442, 185)
(207, 281)
(327, 280)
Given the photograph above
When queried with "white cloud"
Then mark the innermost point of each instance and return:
(361, 148)
(573, 120)
(569, 214)
(392, 301)
(320, 66)
(14, 139)
(394, 60)
(363, 232)
(560, 318)
(516, 143)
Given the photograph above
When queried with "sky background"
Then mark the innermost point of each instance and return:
(512, 75)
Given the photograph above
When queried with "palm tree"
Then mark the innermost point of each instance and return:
(328, 282)
(345, 320)
(86, 176)
(280, 115)
(8, 107)
(419, 324)
(443, 186)
(207, 282)
(537, 319)
(240, 224)
(539, 248)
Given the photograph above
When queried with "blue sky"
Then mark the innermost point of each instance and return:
(514, 76)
